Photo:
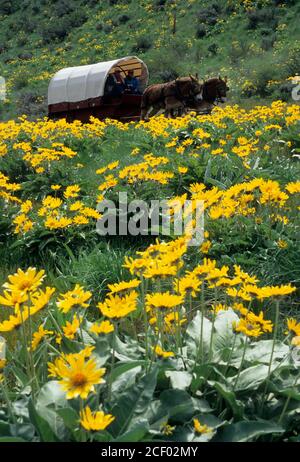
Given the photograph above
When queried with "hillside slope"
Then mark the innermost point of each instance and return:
(256, 43)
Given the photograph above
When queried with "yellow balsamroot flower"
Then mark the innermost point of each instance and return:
(219, 307)
(266, 325)
(293, 188)
(118, 307)
(38, 336)
(241, 308)
(95, 421)
(167, 429)
(13, 299)
(163, 300)
(14, 321)
(90, 213)
(76, 298)
(161, 353)
(50, 202)
(198, 428)
(135, 151)
(243, 276)
(26, 281)
(123, 286)
(40, 299)
(72, 191)
(77, 375)
(282, 244)
(182, 170)
(293, 326)
(55, 187)
(187, 285)
(80, 220)
(205, 246)
(26, 206)
(275, 291)
(246, 327)
(71, 328)
(172, 321)
(57, 223)
(104, 327)
(76, 206)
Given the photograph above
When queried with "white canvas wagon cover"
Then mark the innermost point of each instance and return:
(74, 84)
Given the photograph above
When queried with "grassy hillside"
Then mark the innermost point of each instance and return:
(256, 43)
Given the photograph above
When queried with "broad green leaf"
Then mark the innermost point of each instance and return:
(135, 433)
(230, 398)
(223, 335)
(194, 335)
(261, 351)
(125, 380)
(69, 416)
(121, 368)
(43, 428)
(179, 406)
(23, 430)
(4, 428)
(51, 398)
(250, 378)
(133, 403)
(246, 431)
(179, 379)
(11, 439)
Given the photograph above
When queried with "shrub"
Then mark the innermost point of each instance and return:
(63, 8)
(208, 15)
(32, 104)
(201, 31)
(107, 28)
(167, 75)
(268, 42)
(21, 81)
(292, 65)
(99, 26)
(213, 48)
(144, 43)
(263, 16)
(123, 19)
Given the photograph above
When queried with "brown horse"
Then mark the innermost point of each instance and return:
(214, 91)
(170, 96)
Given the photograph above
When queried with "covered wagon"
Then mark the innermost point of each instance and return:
(77, 93)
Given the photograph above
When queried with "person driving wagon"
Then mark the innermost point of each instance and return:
(132, 84)
(115, 84)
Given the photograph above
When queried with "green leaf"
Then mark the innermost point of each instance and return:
(11, 439)
(250, 378)
(180, 406)
(125, 380)
(246, 431)
(194, 335)
(133, 403)
(136, 433)
(261, 351)
(223, 335)
(230, 398)
(43, 428)
(4, 428)
(69, 416)
(51, 398)
(179, 379)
